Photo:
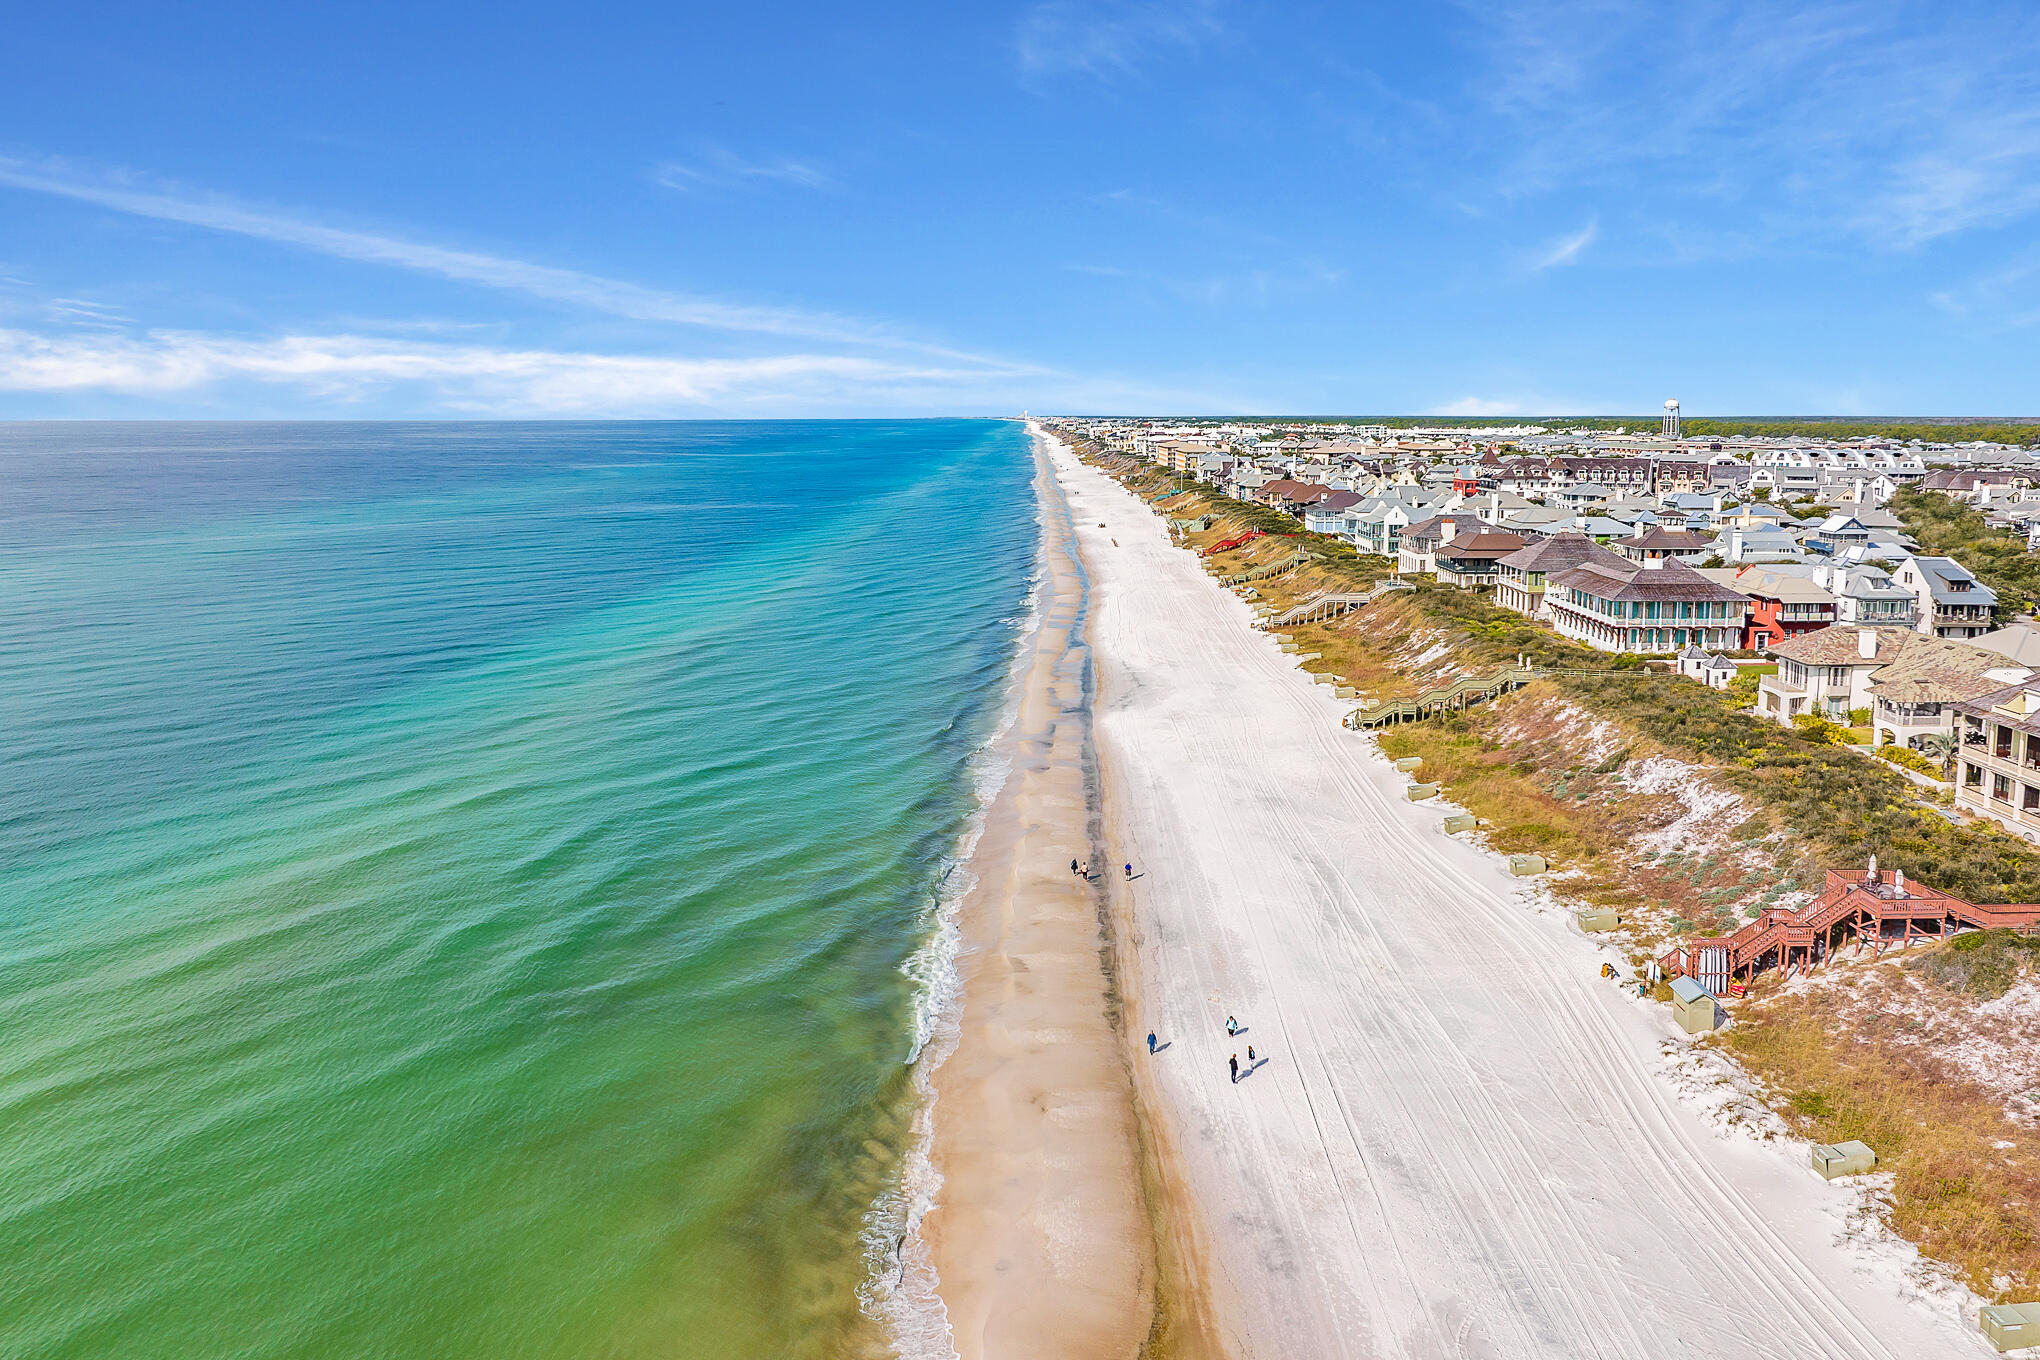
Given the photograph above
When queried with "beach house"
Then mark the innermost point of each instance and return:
(1651, 607)
(1327, 515)
(1781, 605)
(1418, 555)
(1469, 559)
(1755, 544)
(1652, 543)
(1521, 576)
(1864, 594)
(1998, 760)
(1907, 679)
(1950, 601)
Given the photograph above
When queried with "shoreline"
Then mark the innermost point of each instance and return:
(1037, 1242)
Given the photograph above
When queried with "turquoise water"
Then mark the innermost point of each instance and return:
(456, 881)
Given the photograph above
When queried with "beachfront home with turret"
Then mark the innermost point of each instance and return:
(1998, 763)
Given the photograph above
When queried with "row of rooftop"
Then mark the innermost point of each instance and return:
(1854, 615)
(1334, 439)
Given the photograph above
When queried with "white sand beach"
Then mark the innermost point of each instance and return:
(1458, 1141)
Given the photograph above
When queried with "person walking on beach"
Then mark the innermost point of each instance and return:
(1234, 1061)
(1129, 873)
(1232, 1026)
(1151, 1042)
(1250, 1057)
(1073, 866)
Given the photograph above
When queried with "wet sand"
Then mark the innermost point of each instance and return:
(1039, 1235)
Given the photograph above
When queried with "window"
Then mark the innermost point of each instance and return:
(1972, 776)
(2001, 787)
(2029, 798)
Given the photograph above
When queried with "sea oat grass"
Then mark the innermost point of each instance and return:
(1965, 1178)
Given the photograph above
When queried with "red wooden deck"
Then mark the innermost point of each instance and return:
(1881, 908)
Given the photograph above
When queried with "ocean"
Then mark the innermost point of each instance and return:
(474, 890)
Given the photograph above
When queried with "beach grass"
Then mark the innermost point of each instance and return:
(1965, 1178)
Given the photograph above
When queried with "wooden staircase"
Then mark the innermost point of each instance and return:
(1883, 909)
(1336, 602)
(1467, 689)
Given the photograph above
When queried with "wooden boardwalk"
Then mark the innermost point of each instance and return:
(1335, 602)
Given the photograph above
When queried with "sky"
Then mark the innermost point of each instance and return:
(520, 210)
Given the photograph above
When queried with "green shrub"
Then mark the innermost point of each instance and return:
(1910, 759)
(1266, 518)
(1984, 963)
(1946, 527)
(1817, 728)
(1847, 806)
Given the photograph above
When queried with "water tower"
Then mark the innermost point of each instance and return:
(1671, 420)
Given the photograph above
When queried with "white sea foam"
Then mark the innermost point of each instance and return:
(901, 1286)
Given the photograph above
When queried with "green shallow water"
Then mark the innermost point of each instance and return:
(460, 882)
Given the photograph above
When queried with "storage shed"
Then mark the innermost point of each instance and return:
(1417, 793)
(2010, 1326)
(1843, 1159)
(1595, 919)
(1458, 822)
(1523, 866)
(1692, 1006)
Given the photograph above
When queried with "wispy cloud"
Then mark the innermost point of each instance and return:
(1530, 408)
(1110, 37)
(1255, 285)
(567, 286)
(341, 374)
(718, 167)
(83, 312)
(446, 377)
(1886, 124)
(1566, 249)
(1997, 299)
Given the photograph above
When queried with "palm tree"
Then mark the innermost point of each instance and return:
(1941, 747)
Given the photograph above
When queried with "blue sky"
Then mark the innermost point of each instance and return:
(804, 209)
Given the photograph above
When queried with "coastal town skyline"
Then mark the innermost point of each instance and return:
(1084, 206)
